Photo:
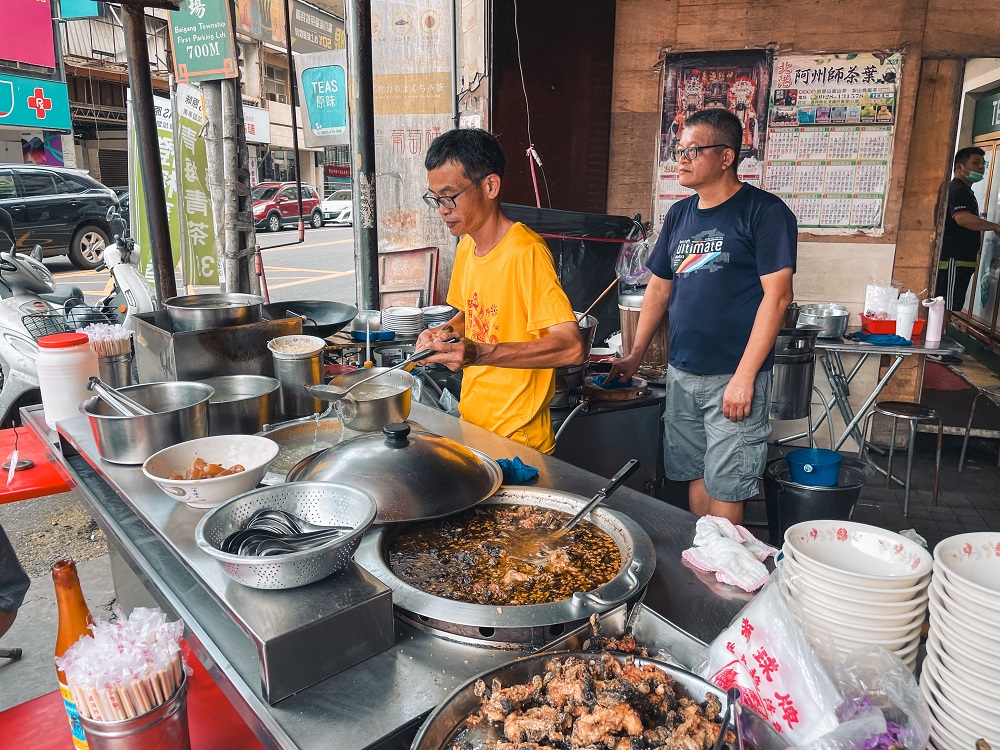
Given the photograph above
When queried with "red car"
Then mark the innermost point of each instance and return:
(275, 204)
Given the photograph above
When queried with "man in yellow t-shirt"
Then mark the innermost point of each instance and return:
(514, 319)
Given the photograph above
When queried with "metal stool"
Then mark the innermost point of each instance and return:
(913, 413)
(993, 394)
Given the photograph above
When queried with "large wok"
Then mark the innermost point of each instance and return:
(320, 318)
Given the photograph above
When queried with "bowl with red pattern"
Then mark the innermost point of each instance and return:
(971, 562)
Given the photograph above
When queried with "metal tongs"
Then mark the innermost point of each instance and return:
(117, 400)
(733, 709)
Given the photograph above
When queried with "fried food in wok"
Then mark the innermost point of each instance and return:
(595, 704)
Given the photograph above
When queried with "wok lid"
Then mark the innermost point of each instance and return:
(413, 475)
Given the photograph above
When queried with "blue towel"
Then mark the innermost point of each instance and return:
(515, 471)
(601, 381)
(881, 339)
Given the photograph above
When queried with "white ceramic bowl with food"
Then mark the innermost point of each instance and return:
(965, 595)
(964, 719)
(986, 684)
(251, 452)
(973, 559)
(954, 689)
(852, 595)
(856, 553)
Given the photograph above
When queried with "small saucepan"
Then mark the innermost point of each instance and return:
(830, 318)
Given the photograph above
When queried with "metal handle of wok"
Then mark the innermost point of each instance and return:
(583, 598)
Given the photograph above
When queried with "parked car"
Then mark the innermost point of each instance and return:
(123, 205)
(337, 207)
(276, 204)
(65, 211)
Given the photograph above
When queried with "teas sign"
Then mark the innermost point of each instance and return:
(201, 38)
(323, 96)
(987, 117)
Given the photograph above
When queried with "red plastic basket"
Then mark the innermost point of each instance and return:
(870, 325)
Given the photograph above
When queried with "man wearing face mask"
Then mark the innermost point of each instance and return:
(963, 228)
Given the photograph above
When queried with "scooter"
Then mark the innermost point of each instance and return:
(131, 293)
(23, 279)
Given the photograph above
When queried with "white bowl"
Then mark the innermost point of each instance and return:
(901, 643)
(974, 559)
(954, 689)
(253, 453)
(943, 727)
(957, 628)
(966, 594)
(852, 630)
(970, 657)
(989, 685)
(851, 550)
(963, 720)
(853, 595)
(989, 626)
(873, 612)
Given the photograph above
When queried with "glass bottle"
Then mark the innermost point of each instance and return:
(74, 621)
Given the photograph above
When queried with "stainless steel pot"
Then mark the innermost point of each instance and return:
(515, 626)
(298, 439)
(439, 730)
(830, 318)
(412, 475)
(571, 377)
(242, 404)
(370, 415)
(198, 312)
(180, 413)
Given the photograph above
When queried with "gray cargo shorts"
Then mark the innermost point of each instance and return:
(698, 441)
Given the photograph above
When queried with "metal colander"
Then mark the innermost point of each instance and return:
(324, 503)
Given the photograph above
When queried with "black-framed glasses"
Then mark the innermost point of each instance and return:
(691, 152)
(448, 201)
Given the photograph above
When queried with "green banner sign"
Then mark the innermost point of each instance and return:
(987, 117)
(198, 224)
(201, 38)
(33, 103)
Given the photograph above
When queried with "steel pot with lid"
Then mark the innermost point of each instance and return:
(199, 312)
(412, 474)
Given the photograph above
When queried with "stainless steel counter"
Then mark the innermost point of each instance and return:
(379, 702)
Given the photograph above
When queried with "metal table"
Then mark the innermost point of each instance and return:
(380, 702)
(840, 380)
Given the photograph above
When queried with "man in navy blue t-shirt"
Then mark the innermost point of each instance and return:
(723, 264)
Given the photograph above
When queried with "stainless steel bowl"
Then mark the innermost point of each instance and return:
(374, 414)
(198, 312)
(241, 405)
(180, 413)
(324, 503)
(514, 626)
(830, 318)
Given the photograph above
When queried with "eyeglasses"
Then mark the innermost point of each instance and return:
(448, 201)
(691, 152)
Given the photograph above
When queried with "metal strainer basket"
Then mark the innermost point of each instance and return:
(325, 503)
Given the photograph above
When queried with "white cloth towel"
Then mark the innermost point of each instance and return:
(731, 552)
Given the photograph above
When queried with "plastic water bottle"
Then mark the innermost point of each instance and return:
(906, 314)
(935, 319)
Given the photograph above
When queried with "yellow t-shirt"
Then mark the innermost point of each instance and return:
(511, 294)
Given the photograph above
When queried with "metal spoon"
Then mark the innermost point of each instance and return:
(298, 525)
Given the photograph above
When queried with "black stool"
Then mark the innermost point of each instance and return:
(913, 413)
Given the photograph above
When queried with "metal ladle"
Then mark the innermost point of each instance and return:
(333, 393)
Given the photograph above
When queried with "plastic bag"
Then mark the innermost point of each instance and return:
(631, 263)
(880, 300)
(881, 701)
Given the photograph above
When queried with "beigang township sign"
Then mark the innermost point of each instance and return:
(201, 38)
(323, 95)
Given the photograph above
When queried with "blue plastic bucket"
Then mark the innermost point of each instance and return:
(815, 467)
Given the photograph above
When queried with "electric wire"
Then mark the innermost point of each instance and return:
(527, 109)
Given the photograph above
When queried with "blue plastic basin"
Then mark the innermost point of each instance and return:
(815, 467)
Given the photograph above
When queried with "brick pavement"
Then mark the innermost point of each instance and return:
(968, 501)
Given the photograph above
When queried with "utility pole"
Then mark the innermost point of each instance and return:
(149, 148)
(359, 37)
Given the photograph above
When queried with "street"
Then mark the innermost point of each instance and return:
(320, 268)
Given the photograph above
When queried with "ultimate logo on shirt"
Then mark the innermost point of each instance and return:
(699, 253)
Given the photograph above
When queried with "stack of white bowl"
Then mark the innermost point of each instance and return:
(436, 315)
(407, 322)
(857, 586)
(960, 676)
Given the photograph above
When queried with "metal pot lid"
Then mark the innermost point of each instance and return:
(413, 475)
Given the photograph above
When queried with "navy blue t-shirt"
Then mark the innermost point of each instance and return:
(715, 258)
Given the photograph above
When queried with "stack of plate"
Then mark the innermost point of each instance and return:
(858, 586)
(437, 315)
(407, 322)
(961, 673)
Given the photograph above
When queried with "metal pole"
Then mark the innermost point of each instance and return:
(212, 93)
(149, 152)
(359, 37)
(230, 163)
(182, 251)
(294, 101)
